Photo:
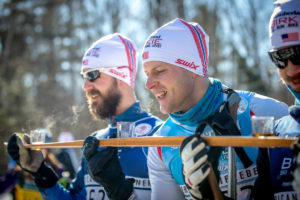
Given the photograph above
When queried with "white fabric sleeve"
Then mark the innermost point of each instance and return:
(163, 185)
(265, 106)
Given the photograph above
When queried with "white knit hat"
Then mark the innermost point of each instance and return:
(284, 27)
(115, 55)
(180, 43)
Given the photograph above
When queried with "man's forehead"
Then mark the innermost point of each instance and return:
(101, 70)
(92, 69)
(285, 47)
(154, 64)
(86, 69)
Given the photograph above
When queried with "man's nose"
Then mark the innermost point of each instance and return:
(292, 69)
(87, 86)
(150, 82)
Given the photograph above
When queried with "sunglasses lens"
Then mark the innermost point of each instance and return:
(280, 63)
(92, 75)
(295, 60)
(281, 56)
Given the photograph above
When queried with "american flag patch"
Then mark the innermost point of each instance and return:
(290, 37)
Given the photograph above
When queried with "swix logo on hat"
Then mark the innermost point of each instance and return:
(187, 64)
(154, 41)
(116, 55)
(179, 43)
(118, 73)
(95, 52)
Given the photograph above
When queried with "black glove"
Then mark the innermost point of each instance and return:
(105, 168)
(295, 112)
(296, 171)
(195, 169)
(31, 161)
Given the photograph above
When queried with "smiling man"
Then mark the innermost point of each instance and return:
(109, 69)
(175, 60)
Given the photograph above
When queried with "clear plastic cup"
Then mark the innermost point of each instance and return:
(125, 129)
(37, 136)
(262, 126)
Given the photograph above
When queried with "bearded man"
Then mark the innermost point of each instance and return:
(109, 69)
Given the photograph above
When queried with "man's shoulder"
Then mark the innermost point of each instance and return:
(101, 133)
(148, 119)
(147, 125)
(287, 126)
(262, 105)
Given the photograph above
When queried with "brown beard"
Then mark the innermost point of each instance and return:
(293, 79)
(108, 107)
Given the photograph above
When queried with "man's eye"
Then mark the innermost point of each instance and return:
(159, 71)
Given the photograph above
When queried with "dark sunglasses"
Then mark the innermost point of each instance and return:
(281, 57)
(91, 75)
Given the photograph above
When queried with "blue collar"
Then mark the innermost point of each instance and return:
(133, 113)
(296, 94)
(207, 106)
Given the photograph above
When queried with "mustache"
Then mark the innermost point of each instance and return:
(93, 92)
(294, 78)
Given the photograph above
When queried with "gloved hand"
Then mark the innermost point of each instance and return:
(295, 112)
(105, 168)
(31, 161)
(195, 169)
(296, 173)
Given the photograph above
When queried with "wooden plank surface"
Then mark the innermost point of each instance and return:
(234, 141)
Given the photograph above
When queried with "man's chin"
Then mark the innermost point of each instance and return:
(295, 86)
(93, 111)
(165, 110)
(96, 116)
(297, 90)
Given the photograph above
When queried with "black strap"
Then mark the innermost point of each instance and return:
(222, 123)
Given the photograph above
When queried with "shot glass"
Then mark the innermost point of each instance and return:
(37, 136)
(262, 126)
(125, 129)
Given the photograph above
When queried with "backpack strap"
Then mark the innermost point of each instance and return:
(223, 122)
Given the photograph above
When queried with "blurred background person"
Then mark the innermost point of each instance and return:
(26, 188)
(9, 180)
(68, 156)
